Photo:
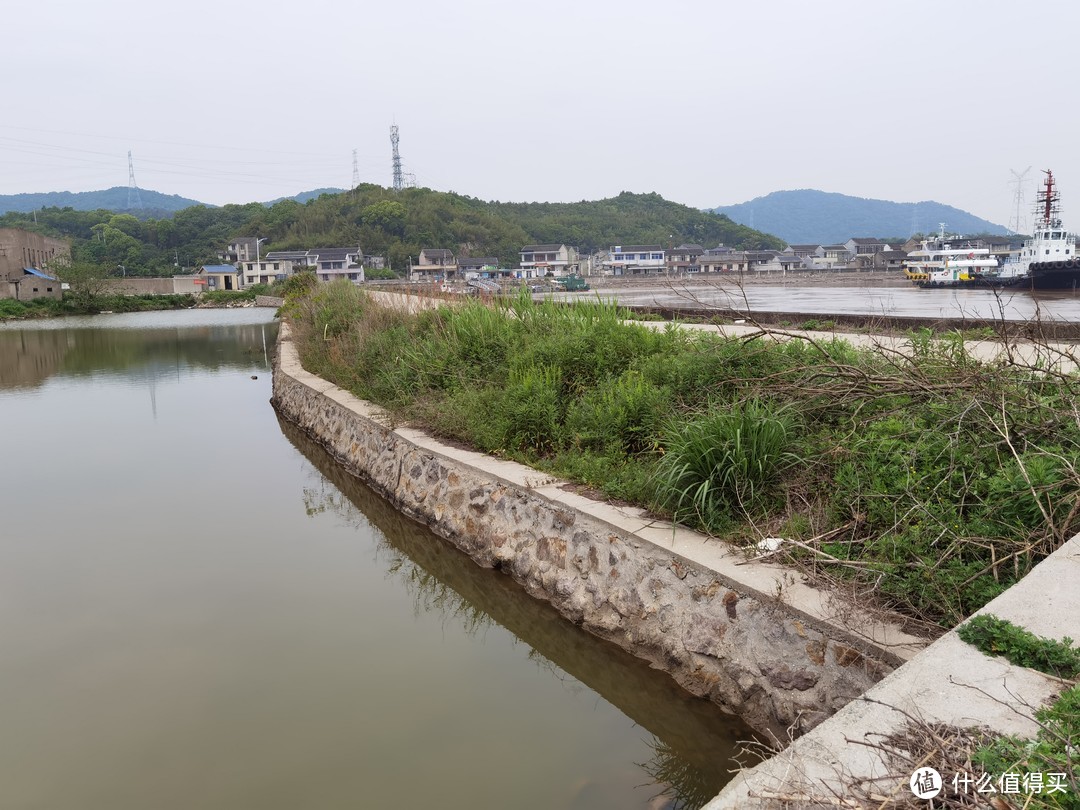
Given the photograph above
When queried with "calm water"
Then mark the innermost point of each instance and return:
(199, 610)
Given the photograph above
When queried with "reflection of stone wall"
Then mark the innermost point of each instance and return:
(773, 664)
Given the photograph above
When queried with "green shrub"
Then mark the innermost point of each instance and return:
(620, 415)
(720, 465)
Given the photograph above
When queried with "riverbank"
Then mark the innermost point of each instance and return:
(743, 633)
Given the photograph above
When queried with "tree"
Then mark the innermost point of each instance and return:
(86, 280)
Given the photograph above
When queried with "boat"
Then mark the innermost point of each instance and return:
(940, 263)
(1048, 260)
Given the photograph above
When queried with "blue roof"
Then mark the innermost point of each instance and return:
(31, 271)
(219, 268)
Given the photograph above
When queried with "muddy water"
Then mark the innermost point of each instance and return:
(198, 609)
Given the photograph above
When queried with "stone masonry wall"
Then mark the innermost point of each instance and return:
(775, 665)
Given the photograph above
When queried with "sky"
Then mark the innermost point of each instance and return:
(706, 102)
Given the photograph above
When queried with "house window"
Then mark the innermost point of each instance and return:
(251, 279)
(659, 256)
(49, 289)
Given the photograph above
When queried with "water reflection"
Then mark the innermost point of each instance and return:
(36, 351)
(692, 741)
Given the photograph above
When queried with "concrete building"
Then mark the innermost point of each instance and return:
(274, 266)
(684, 259)
(434, 264)
(219, 277)
(539, 260)
(636, 260)
(24, 264)
(331, 264)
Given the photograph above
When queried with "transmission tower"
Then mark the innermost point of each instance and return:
(399, 180)
(355, 171)
(914, 219)
(134, 200)
(1017, 225)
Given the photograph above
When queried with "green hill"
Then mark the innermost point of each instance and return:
(808, 216)
(397, 225)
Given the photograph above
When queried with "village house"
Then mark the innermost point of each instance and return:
(737, 261)
(635, 260)
(433, 264)
(684, 259)
(478, 267)
(539, 260)
(331, 264)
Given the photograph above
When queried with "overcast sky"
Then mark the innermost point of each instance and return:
(708, 103)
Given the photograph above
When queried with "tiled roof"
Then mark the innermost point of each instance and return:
(540, 248)
(331, 254)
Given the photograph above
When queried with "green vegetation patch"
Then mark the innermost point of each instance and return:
(1048, 762)
(927, 482)
(995, 636)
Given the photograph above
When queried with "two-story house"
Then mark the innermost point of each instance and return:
(434, 264)
(684, 259)
(274, 266)
(539, 260)
(635, 260)
(333, 263)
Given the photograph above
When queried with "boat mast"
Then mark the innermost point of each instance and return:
(1049, 199)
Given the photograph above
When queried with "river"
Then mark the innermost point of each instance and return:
(200, 610)
(894, 301)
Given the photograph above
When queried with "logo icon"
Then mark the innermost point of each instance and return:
(925, 783)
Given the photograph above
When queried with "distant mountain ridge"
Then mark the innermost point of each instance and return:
(153, 203)
(809, 216)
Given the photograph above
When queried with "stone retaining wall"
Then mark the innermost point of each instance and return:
(713, 627)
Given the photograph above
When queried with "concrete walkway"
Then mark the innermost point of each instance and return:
(949, 682)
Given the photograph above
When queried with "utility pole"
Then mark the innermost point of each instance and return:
(355, 171)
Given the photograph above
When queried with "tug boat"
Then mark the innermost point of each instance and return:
(1048, 260)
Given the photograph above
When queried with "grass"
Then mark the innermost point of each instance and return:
(1052, 755)
(11, 309)
(927, 482)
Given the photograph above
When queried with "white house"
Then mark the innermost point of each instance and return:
(539, 260)
(331, 264)
(635, 260)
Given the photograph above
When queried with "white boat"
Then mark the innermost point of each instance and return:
(940, 263)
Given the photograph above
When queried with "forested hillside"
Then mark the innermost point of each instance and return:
(383, 222)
